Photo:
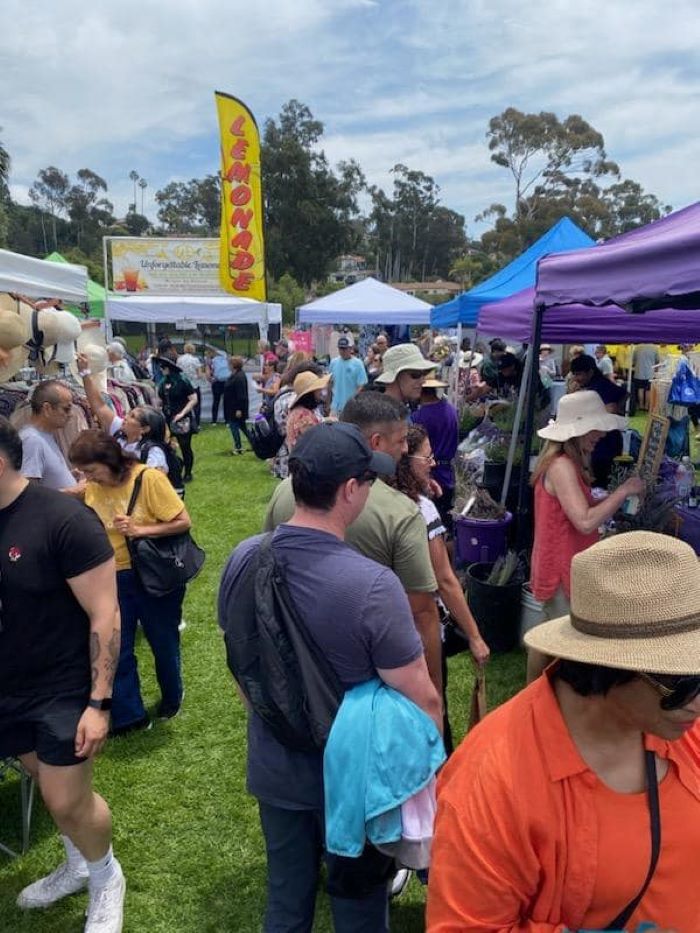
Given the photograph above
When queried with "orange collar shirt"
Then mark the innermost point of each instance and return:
(529, 840)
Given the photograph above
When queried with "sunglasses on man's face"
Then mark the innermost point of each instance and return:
(415, 373)
(675, 692)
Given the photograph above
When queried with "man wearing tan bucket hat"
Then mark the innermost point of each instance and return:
(404, 372)
(577, 804)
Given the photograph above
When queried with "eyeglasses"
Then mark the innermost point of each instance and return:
(415, 373)
(675, 692)
(429, 459)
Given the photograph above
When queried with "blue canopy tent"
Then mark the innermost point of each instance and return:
(519, 274)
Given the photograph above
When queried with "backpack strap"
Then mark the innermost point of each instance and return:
(135, 493)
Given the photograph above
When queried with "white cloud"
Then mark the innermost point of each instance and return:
(130, 85)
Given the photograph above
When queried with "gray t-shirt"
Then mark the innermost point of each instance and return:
(358, 614)
(42, 459)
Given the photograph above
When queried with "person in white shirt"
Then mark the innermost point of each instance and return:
(605, 364)
(193, 368)
(118, 367)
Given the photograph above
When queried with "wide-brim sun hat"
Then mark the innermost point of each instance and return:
(434, 384)
(400, 358)
(92, 343)
(468, 359)
(11, 361)
(306, 383)
(635, 606)
(579, 413)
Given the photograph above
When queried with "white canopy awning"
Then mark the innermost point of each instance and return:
(171, 309)
(366, 302)
(37, 278)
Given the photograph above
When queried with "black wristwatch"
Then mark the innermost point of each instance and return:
(104, 705)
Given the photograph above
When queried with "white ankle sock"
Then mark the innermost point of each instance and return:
(103, 870)
(76, 860)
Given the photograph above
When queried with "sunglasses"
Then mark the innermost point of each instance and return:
(675, 692)
(415, 373)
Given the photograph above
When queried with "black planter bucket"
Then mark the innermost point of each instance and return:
(495, 608)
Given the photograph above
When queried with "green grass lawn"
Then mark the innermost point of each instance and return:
(184, 829)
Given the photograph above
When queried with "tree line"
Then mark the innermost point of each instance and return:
(314, 211)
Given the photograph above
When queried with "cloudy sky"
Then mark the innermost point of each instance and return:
(116, 86)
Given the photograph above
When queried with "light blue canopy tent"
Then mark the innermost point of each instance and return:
(519, 274)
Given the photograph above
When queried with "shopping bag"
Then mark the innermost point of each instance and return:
(685, 387)
(478, 708)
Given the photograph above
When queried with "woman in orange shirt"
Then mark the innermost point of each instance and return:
(544, 811)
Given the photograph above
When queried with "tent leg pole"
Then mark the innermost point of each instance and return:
(529, 426)
(516, 424)
(454, 376)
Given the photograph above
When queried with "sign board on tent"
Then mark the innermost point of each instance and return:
(160, 266)
(302, 340)
(652, 449)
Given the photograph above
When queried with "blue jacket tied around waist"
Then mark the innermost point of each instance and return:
(382, 749)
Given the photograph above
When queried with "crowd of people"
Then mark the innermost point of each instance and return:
(573, 806)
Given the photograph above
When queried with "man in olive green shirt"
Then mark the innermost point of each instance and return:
(390, 528)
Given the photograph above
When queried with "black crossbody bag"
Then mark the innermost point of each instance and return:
(163, 564)
(622, 918)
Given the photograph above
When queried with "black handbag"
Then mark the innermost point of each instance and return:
(163, 564)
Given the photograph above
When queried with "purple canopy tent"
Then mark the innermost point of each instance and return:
(655, 266)
(512, 318)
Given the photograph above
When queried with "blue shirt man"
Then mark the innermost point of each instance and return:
(349, 375)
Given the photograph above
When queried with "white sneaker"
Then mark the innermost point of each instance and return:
(398, 883)
(46, 891)
(105, 913)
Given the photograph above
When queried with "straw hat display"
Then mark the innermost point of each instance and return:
(50, 336)
(635, 606)
(13, 334)
(91, 342)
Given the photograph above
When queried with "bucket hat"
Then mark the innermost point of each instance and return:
(305, 383)
(635, 605)
(400, 358)
(579, 413)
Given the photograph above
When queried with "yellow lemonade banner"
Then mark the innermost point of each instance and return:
(242, 252)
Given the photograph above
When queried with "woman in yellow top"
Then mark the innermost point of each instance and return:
(158, 511)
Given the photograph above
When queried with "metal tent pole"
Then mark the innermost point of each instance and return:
(534, 349)
(516, 424)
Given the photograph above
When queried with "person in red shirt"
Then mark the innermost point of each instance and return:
(545, 812)
(567, 516)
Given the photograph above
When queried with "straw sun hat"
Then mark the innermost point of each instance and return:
(579, 413)
(305, 383)
(635, 606)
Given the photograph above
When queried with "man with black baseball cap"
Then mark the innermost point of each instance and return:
(358, 614)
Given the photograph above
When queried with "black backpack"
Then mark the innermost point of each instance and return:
(175, 464)
(264, 436)
(279, 667)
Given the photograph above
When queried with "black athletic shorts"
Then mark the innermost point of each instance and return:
(45, 725)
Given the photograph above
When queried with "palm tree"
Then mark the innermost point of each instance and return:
(143, 184)
(134, 176)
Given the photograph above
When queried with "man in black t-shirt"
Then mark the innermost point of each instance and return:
(586, 375)
(59, 648)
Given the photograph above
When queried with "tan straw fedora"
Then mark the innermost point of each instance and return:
(635, 605)
(305, 383)
(579, 413)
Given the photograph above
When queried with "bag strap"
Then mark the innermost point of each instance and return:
(622, 918)
(135, 492)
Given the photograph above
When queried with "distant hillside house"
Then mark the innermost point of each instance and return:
(349, 269)
(439, 289)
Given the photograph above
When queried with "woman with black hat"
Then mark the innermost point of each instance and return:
(179, 398)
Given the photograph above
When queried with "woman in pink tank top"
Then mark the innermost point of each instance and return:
(567, 516)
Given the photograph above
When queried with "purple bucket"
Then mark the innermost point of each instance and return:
(481, 540)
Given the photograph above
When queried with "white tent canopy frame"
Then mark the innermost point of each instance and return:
(366, 302)
(171, 309)
(37, 278)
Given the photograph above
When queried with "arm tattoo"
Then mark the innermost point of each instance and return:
(113, 646)
(94, 654)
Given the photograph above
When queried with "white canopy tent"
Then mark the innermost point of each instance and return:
(37, 278)
(172, 309)
(366, 302)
